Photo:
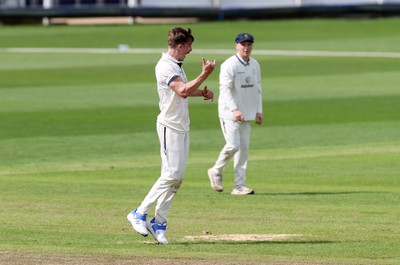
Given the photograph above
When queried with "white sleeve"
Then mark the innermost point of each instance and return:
(166, 73)
(226, 85)
(260, 108)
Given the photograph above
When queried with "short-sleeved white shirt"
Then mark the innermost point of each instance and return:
(174, 111)
(240, 88)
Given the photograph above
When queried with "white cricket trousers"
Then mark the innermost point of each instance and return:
(237, 138)
(174, 150)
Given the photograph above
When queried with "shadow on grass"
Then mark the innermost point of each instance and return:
(317, 193)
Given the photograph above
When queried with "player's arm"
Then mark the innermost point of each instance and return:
(227, 77)
(259, 115)
(191, 88)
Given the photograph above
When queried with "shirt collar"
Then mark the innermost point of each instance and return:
(242, 61)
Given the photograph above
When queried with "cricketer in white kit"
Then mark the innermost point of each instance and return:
(173, 131)
(239, 103)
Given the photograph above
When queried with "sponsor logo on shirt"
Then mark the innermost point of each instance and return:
(247, 85)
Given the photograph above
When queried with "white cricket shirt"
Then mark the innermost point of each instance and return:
(174, 111)
(240, 88)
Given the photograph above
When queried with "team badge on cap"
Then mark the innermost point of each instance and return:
(242, 37)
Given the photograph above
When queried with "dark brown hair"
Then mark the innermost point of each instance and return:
(178, 36)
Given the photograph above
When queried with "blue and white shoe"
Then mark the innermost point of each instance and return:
(158, 231)
(138, 222)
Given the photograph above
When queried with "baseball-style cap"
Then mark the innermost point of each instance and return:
(242, 37)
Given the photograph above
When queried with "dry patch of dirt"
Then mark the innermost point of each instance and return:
(241, 237)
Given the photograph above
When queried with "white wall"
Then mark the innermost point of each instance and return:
(257, 3)
(177, 3)
(226, 4)
(338, 2)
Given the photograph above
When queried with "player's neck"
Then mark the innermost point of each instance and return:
(175, 54)
(244, 58)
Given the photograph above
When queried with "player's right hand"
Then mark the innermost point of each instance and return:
(208, 66)
(238, 115)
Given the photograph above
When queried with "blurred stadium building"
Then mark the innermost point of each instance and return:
(136, 11)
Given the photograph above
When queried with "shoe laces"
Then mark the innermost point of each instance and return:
(242, 188)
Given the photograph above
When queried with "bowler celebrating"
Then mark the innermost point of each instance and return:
(173, 131)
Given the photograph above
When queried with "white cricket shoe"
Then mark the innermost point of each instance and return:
(158, 231)
(242, 190)
(138, 222)
(215, 180)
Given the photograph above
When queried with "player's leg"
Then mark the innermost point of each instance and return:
(164, 182)
(240, 161)
(230, 130)
(162, 185)
(176, 155)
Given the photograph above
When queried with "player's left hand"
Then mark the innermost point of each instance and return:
(207, 94)
(259, 118)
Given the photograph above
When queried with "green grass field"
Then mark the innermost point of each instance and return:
(78, 148)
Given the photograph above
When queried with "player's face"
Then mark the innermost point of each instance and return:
(244, 49)
(185, 49)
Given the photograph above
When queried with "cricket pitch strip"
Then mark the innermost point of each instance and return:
(240, 237)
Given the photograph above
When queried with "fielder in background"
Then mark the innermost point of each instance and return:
(239, 103)
(173, 131)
